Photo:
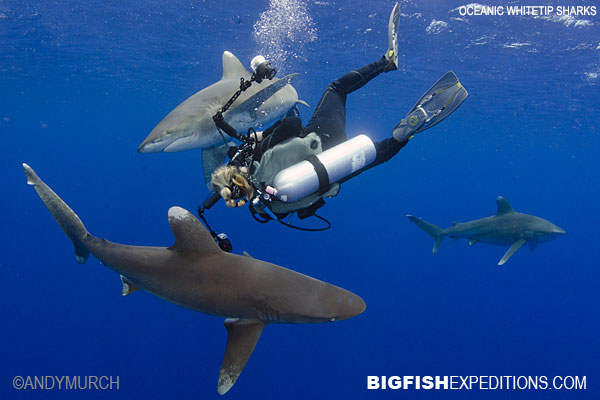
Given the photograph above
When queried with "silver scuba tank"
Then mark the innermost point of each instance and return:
(302, 179)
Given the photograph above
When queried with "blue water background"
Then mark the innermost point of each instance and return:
(83, 83)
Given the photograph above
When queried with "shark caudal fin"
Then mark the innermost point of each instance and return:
(432, 230)
(62, 213)
(243, 334)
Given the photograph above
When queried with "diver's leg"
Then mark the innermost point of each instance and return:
(435, 105)
(329, 118)
(385, 150)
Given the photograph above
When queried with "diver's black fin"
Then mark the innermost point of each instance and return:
(391, 53)
(440, 101)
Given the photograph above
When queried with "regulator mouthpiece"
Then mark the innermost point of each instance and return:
(262, 69)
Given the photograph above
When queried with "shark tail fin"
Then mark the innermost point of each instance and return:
(432, 230)
(62, 213)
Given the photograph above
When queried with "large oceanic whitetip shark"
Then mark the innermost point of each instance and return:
(195, 273)
(506, 228)
(190, 125)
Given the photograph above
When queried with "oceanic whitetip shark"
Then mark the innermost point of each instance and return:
(195, 273)
(190, 125)
(507, 227)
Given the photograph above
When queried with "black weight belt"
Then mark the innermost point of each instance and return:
(321, 173)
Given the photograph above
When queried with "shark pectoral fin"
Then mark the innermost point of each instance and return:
(243, 334)
(213, 158)
(472, 242)
(437, 242)
(189, 233)
(512, 250)
(127, 288)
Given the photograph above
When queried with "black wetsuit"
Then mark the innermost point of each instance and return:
(329, 118)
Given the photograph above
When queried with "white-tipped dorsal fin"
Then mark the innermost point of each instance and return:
(189, 233)
(127, 288)
(233, 68)
(241, 340)
(245, 253)
(503, 206)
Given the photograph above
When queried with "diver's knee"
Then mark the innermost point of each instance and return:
(337, 87)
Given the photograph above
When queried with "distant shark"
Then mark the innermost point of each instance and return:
(190, 124)
(507, 227)
(195, 273)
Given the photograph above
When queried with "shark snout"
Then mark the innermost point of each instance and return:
(169, 141)
(349, 306)
(144, 149)
(151, 147)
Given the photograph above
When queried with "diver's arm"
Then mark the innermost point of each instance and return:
(282, 130)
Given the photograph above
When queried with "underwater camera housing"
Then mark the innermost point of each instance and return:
(262, 69)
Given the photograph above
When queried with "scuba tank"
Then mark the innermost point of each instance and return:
(317, 173)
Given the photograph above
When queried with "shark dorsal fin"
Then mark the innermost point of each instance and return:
(189, 233)
(232, 67)
(503, 206)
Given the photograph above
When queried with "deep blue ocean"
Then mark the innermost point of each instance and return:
(82, 83)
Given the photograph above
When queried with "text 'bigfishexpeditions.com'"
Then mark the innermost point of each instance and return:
(472, 382)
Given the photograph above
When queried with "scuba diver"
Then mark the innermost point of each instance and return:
(290, 168)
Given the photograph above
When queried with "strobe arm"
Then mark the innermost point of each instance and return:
(224, 126)
(209, 202)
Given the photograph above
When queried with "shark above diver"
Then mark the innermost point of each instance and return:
(190, 125)
(195, 273)
(506, 227)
